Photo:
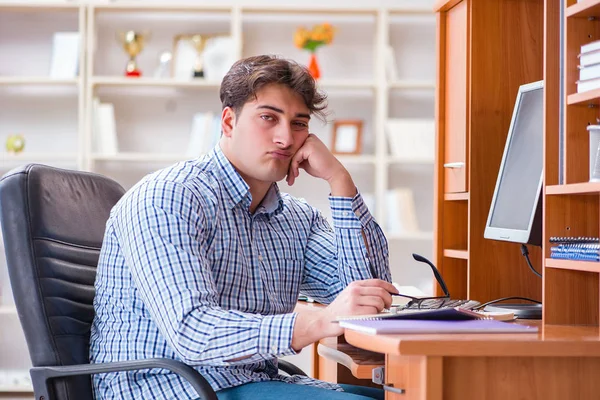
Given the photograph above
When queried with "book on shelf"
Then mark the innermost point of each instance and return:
(401, 211)
(590, 47)
(411, 139)
(589, 72)
(391, 68)
(589, 58)
(435, 326)
(65, 55)
(205, 133)
(104, 128)
(588, 84)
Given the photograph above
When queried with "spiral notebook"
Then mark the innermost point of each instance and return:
(383, 326)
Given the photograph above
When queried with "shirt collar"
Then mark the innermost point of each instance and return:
(239, 191)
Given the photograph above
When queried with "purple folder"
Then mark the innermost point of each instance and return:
(432, 326)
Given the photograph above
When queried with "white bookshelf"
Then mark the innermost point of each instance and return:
(153, 115)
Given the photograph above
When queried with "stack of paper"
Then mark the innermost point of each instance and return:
(65, 55)
(433, 326)
(589, 67)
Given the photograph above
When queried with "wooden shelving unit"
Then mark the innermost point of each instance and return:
(477, 55)
(571, 206)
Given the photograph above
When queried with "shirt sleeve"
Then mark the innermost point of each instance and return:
(335, 257)
(161, 231)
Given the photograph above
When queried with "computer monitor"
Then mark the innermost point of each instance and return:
(516, 210)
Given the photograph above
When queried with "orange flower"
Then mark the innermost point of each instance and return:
(301, 37)
(318, 36)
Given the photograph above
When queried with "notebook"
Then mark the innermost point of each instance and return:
(383, 326)
(445, 314)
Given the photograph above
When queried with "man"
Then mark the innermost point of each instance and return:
(203, 261)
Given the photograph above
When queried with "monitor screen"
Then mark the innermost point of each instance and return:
(515, 211)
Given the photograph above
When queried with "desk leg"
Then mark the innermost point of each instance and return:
(420, 376)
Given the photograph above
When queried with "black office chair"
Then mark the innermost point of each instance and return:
(53, 224)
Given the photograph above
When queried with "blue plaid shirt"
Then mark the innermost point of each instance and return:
(186, 272)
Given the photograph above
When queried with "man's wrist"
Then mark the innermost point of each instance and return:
(342, 185)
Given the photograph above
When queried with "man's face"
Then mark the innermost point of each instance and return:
(262, 138)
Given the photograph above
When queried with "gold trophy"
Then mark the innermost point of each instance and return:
(199, 43)
(133, 43)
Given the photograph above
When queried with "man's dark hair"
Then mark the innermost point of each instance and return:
(247, 76)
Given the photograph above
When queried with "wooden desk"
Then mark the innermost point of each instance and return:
(559, 362)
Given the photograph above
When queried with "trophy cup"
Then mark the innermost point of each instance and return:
(199, 43)
(133, 43)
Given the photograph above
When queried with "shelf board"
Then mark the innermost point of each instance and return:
(583, 97)
(140, 157)
(152, 82)
(326, 84)
(126, 6)
(356, 159)
(312, 9)
(410, 84)
(15, 389)
(399, 160)
(452, 253)
(573, 265)
(123, 81)
(574, 188)
(410, 236)
(6, 158)
(37, 80)
(8, 310)
(36, 6)
(584, 9)
(456, 196)
(411, 11)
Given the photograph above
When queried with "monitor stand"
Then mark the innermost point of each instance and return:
(521, 310)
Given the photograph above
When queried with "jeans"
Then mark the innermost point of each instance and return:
(271, 390)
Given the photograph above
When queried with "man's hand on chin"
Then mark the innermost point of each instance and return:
(316, 159)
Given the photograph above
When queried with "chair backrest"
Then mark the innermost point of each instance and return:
(53, 223)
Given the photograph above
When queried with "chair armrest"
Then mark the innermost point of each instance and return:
(289, 368)
(41, 375)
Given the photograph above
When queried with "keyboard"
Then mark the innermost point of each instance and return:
(442, 303)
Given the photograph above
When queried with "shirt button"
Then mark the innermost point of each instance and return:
(274, 349)
(346, 213)
(260, 257)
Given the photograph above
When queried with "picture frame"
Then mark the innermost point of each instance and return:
(212, 54)
(347, 136)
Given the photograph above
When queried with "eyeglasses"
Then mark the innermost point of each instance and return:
(416, 302)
